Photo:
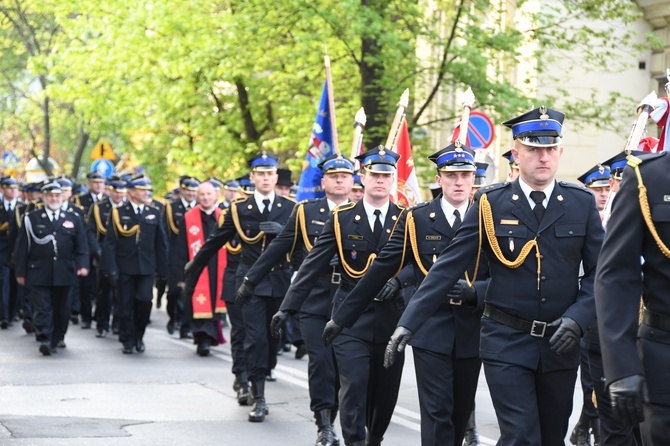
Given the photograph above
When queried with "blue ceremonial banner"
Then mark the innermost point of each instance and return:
(320, 148)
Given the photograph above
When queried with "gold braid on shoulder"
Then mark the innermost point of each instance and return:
(98, 220)
(17, 216)
(486, 217)
(170, 219)
(118, 228)
(354, 274)
(300, 219)
(634, 162)
(410, 228)
(240, 232)
(4, 226)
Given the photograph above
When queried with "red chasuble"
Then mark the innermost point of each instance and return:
(202, 295)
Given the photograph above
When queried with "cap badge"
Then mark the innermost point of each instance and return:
(601, 169)
(264, 155)
(457, 143)
(543, 113)
(382, 153)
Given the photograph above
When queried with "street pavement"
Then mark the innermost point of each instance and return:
(92, 394)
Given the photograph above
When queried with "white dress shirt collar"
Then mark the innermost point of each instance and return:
(188, 205)
(258, 197)
(449, 209)
(370, 212)
(526, 189)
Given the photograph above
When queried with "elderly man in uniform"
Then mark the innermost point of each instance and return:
(356, 232)
(296, 240)
(257, 220)
(51, 251)
(133, 252)
(446, 349)
(537, 234)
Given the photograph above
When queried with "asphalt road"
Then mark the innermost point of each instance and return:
(92, 394)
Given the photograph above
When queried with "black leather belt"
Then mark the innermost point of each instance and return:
(538, 329)
(656, 320)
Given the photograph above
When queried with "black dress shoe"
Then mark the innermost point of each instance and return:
(186, 335)
(127, 350)
(74, 319)
(61, 344)
(101, 333)
(115, 330)
(203, 348)
(301, 351)
(85, 325)
(170, 328)
(28, 326)
(4, 324)
(140, 347)
(44, 349)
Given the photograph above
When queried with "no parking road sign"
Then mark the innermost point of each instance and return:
(480, 130)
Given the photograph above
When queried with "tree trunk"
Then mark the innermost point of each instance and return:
(81, 146)
(371, 70)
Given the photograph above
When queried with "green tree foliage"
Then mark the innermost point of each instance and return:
(196, 86)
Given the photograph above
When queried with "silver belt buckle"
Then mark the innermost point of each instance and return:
(335, 278)
(538, 328)
(456, 302)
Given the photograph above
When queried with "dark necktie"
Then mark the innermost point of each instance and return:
(457, 220)
(266, 210)
(538, 197)
(378, 224)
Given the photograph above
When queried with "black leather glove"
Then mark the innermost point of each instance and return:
(187, 292)
(244, 293)
(188, 268)
(271, 227)
(278, 321)
(331, 331)
(399, 339)
(389, 291)
(628, 395)
(462, 294)
(112, 277)
(566, 337)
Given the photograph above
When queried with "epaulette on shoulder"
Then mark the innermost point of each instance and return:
(634, 161)
(574, 186)
(240, 200)
(309, 200)
(343, 207)
(419, 205)
(494, 187)
(76, 206)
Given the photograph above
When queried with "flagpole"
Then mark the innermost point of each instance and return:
(640, 123)
(397, 120)
(331, 101)
(467, 101)
(359, 124)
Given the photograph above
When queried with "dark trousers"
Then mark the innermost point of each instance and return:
(533, 407)
(588, 409)
(257, 349)
(87, 291)
(322, 372)
(447, 388)
(103, 303)
(613, 432)
(50, 312)
(654, 350)
(368, 391)
(175, 306)
(237, 337)
(5, 297)
(135, 307)
(14, 296)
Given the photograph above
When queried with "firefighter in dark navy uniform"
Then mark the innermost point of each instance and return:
(6, 245)
(256, 219)
(133, 252)
(356, 232)
(635, 262)
(296, 240)
(107, 293)
(51, 251)
(84, 298)
(535, 232)
(174, 216)
(446, 349)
